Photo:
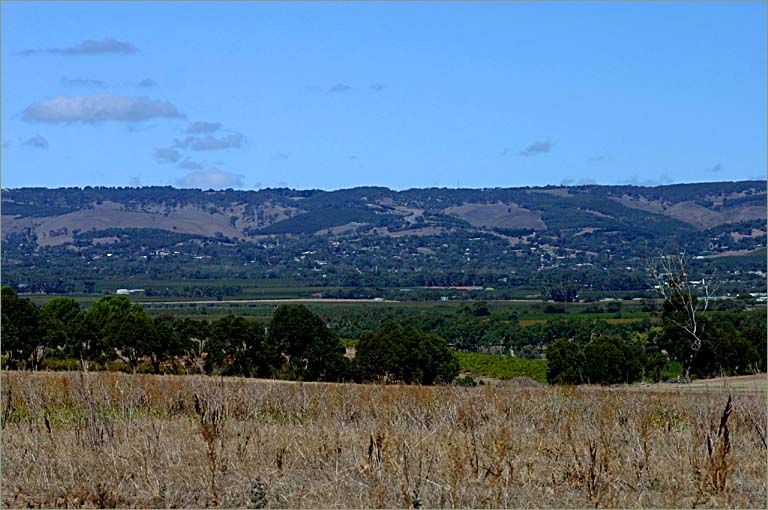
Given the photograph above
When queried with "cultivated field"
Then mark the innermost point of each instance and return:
(107, 439)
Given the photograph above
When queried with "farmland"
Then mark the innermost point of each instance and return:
(116, 440)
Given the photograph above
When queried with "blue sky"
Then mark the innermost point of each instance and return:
(335, 95)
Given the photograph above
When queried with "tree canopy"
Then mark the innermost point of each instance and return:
(405, 354)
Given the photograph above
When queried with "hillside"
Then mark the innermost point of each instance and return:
(385, 237)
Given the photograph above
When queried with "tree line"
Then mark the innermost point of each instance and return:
(296, 345)
(726, 343)
(393, 344)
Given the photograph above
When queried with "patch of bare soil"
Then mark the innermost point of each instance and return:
(426, 231)
(695, 214)
(558, 192)
(188, 219)
(755, 233)
(730, 253)
(498, 215)
(347, 228)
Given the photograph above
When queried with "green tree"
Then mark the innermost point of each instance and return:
(724, 351)
(565, 362)
(108, 309)
(312, 351)
(57, 321)
(64, 309)
(113, 327)
(238, 347)
(435, 363)
(652, 358)
(192, 337)
(21, 331)
(375, 356)
(164, 343)
(85, 341)
(755, 335)
(610, 360)
(131, 335)
(405, 354)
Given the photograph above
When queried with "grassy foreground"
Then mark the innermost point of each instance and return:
(117, 440)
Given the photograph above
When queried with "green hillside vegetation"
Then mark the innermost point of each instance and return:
(151, 238)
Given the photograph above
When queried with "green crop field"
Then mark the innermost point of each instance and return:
(502, 367)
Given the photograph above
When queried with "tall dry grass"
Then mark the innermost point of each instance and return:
(115, 440)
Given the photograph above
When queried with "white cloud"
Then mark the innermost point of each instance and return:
(212, 179)
(98, 108)
(89, 47)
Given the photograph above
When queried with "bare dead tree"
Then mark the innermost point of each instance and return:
(684, 300)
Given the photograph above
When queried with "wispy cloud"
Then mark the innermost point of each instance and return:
(82, 82)
(166, 155)
(537, 148)
(202, 127)
(210, 143)
(634, 180)
(134, 181)
(37, 141)
(147, 82)
(280, 155)
(189, 164)
(339, 87)
(88, 47)
(99, 108)
(583, 181)
(377, 87)
(212, 179)
(717, 168)
(600, 158)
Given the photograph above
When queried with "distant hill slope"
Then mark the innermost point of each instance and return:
(57, 216)
(551, 241)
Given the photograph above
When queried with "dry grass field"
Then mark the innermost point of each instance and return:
(113, 440)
